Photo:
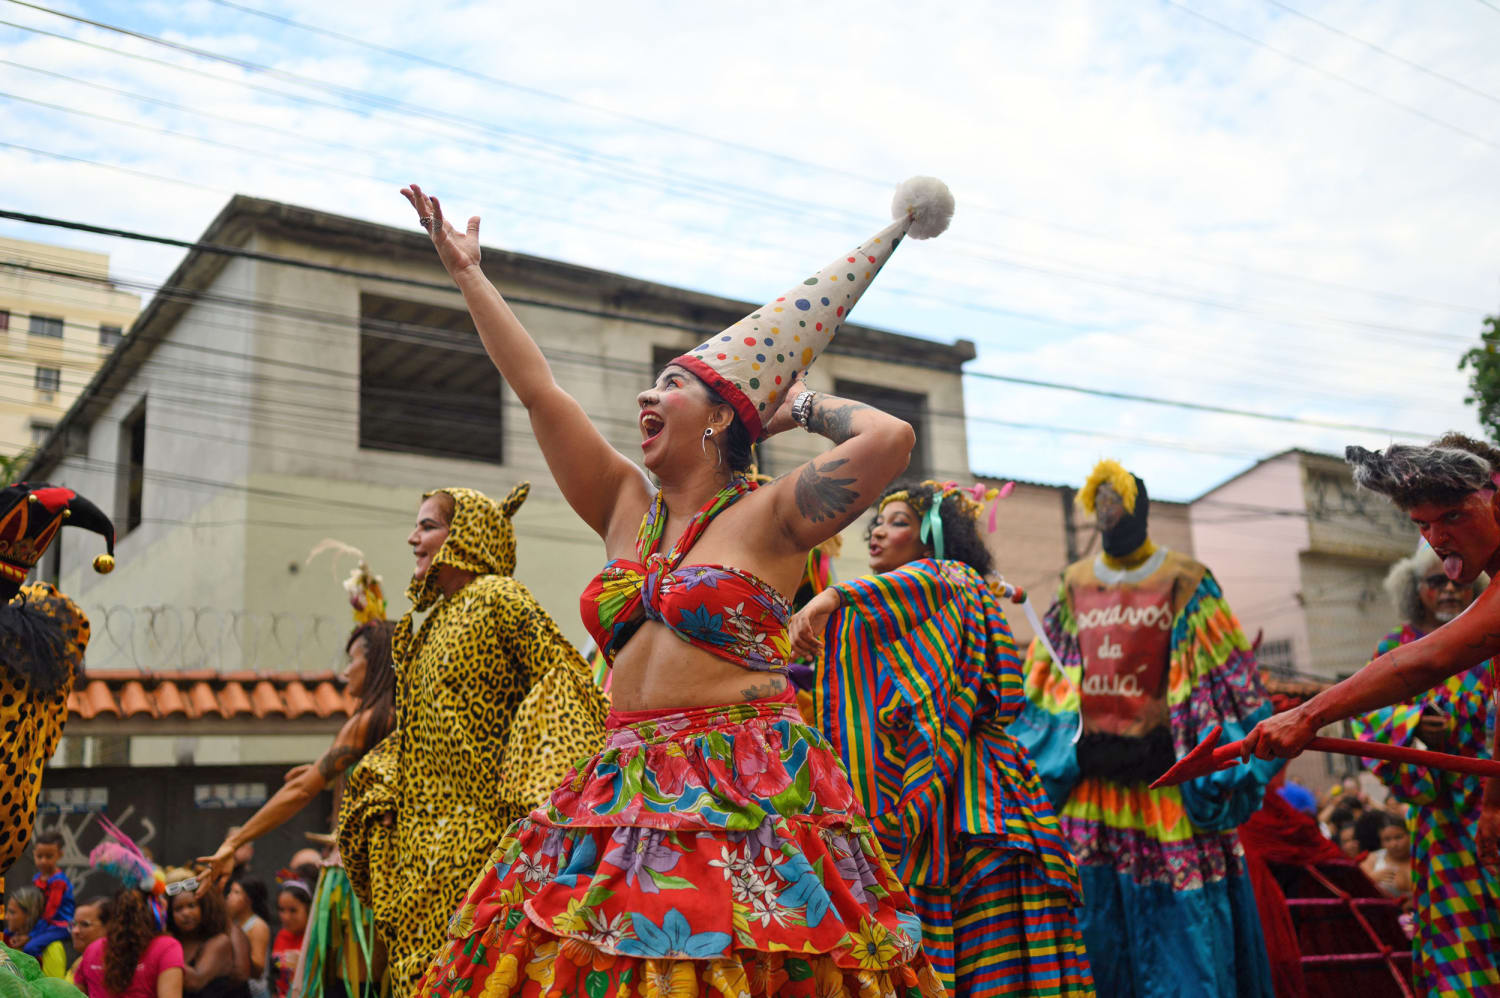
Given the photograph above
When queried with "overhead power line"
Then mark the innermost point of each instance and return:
(1314, 67)
(695, 328)
(1383, 51)
(677, 183)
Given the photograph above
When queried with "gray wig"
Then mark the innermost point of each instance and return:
(1402, 580)
(1443, 472)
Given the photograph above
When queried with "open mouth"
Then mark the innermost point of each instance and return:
(651, 425)
(1453, 565)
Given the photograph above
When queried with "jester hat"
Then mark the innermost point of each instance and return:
(753, 362)
(31, 514)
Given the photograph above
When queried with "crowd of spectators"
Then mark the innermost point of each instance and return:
(199, 941)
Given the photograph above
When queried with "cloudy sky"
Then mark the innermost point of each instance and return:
(1288, 208)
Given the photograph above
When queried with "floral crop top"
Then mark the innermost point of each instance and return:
(726, 612)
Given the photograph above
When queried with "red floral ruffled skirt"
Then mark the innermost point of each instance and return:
(713, 851)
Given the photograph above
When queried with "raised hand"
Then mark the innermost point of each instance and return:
(458, 250)
(781, 420)
(220, 866)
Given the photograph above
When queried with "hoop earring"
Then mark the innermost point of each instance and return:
(703, 445)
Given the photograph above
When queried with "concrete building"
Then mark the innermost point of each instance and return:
(1301, 554)
(60, 316)
(314, 383)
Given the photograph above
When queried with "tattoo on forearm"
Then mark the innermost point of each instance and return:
(819, 495)
(760, 691)
(834, 420)
(336, 760)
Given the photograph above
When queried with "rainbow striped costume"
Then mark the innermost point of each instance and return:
(1168, 907)
(1456, 949)
(918, 681)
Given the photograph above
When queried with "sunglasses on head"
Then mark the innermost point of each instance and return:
(182, 886)
(1438, 582)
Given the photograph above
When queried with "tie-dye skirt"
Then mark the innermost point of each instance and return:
(708, 851)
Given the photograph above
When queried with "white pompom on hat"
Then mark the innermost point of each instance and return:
(753, 362)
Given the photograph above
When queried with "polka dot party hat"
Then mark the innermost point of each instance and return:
(753, 362)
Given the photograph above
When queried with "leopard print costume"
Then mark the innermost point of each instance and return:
(31, 723)
(493, 707)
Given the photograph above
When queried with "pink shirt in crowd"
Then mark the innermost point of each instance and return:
(162, 953)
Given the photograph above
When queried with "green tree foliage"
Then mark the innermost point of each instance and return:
(1484, 378)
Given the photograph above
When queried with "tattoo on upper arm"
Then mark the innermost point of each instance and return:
(834, 421)
(336, 760)
(760, 691)
(820, 496)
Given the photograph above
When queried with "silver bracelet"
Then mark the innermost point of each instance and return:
(802, 407)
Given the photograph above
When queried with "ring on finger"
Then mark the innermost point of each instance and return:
(425, 221)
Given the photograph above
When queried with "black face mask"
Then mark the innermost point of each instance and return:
(1129, 534)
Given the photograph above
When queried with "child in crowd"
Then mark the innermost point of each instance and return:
(1389, 867)
(89, 918)
(57, 892)
(23, 915)
(293, 902)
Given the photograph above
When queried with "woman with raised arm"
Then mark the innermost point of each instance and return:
(715, 843)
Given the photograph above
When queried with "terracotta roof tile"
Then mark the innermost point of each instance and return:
(133, 700)
(329, 701)
(233, 700)
(94, 699)
(265, 701)
(298, 700)
(169, 700)
(203, 693)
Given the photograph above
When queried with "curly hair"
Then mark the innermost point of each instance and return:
(1444, 471)
(1401, 582)
(213, 919)
(961, 540)
(130, 929)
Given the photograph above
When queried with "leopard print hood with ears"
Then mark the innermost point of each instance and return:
(480, 540)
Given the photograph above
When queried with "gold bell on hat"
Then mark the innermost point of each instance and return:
(104, 564)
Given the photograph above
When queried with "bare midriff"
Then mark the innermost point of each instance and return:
(657, 670)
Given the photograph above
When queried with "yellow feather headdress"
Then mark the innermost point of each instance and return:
(1112, 472)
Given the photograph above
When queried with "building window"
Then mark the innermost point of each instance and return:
(132, 482)
(40, 432)
(425, 384)
(109, 336)
(1276, 658)
(909, 406)
(4, 319)
(47, 325)
(48, 379)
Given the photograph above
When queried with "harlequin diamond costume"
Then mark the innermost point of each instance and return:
(1456, 947)
(42, 639)
(1151, 657)
(715, 850)
(493, 707)
(918, 682)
